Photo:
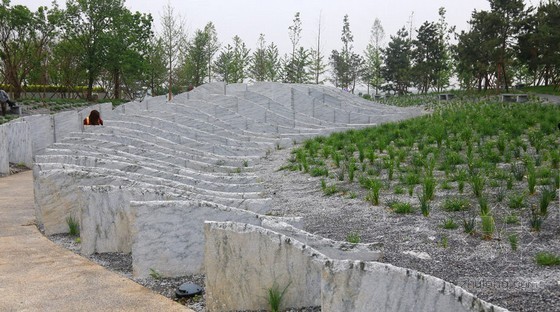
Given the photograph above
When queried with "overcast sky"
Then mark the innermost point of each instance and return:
(249, 18)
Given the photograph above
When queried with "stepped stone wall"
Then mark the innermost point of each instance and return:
(244, 261)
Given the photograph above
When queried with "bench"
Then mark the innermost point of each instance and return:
(517, 98)
(446, 97)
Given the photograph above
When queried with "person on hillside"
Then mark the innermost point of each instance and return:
(5, 98)
(93, 119)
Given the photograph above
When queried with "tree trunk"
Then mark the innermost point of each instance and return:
(117, 87)
(89, 95)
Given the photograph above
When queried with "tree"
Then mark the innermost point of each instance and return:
(86, 22)
(374, 58)
(476, 51)
(357, 69)
(195, 63)
(241, 59)
(174, 39)
(508, 16)
(156, 67)
(297, 67)
(65, 67)
(258, 67)
(444, 69)
(318, 66)
(398, 61)
(273, 63)
(294, 32)
(127, 50)
(212, 46)
(342, 61)
(538, 44)
(24, 40)
(224, 64)
(426, 53)
(233, 62)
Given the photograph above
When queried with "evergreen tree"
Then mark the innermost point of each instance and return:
(373, 57)
(398, 56)
(318, 66)
(294, 32)
(258, 67)
(273, 63)
(342, 61)
(174, 40)
(195, 65)
(212, 46)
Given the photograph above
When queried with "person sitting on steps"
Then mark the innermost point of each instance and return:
(5, 98)
(93, 119)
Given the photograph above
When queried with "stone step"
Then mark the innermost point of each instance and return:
(180, 169)
(222, 184)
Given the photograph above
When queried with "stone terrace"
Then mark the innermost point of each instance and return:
(146, 182)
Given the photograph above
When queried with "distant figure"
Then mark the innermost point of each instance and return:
(5, 98)
(93, 119)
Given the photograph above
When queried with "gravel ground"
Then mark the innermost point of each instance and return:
(488, 268)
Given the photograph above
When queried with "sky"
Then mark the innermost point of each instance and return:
(249, 18)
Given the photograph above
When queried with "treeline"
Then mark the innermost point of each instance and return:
(100, 43)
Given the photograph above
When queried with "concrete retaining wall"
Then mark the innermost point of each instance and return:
(105, 216)
(41, 130)
(4, 158)
(30, 135)
(168, 236)
(19, 143)
(243, 261)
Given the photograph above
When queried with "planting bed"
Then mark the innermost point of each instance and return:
(488, 165)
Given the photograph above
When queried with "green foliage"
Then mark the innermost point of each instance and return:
(319, 171)
(155, 275)
(512, 219)
(330, 190)
(469, 225)
(536, 220)
(484, 207)
(547, 195)
(374, 189)
(516, 200)
(449, 224)
(401, 207)
(73, 226)
(547, 258)
(275, 296)
(456, 204)
(353, 238)
(477, 182)
(531, 179)
(513, 241)
(488, 227)
(424, 205)
(429, 187)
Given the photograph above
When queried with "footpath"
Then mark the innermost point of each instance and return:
(38, 275)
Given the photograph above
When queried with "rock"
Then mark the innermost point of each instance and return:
(420, 255)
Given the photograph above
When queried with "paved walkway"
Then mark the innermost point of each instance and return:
(38, 275)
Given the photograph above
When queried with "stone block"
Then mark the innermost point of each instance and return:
(41, 130)
(4, 155)
(65, 123)
(362, 286)
(20, 150)
(243, 261)
(105, 216)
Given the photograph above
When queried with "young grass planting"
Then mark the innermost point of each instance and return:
(503, 154)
